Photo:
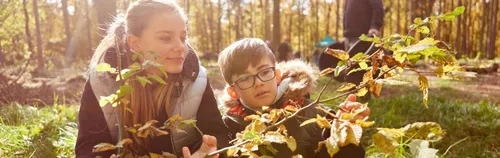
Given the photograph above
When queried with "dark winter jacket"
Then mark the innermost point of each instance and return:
(300, 79)
(94, 127)
(361, 16)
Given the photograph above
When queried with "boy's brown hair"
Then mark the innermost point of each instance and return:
(237, 57)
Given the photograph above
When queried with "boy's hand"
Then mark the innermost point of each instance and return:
(209, 145)
(350, 105)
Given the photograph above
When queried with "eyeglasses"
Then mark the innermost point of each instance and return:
(263, 75)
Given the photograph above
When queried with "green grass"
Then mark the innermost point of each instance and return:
(27, 131)
(460, 114)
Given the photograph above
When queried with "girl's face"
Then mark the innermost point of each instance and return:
(163, 41)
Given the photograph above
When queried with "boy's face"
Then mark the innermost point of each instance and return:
(261, 93)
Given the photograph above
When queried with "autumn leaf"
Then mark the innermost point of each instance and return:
(123, 142)
(158, 132)
(420, 149)
(323, 122)
(367, 77)
(392, 82)
(376, 88)
(340, 54)
(191, 123)
(275, 137)
(424, 131)
(103, 147)
(365, 124)
(326, 71)
(167, 155)
(292, 143)
(423, 84)
(346, 87)
(387, 139)
(331, 146)
(145, 129)
(232, 151)
(362, 92)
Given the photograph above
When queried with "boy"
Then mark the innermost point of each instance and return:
(254, 79)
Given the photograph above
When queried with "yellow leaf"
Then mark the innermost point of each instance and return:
(331, 146)
(362, 92)
(154, 155)
(323, 122)
(340, 54)
(103, 147)
(292, 143)
(346, 87)
(365, 124)
(326, 71)
(291, 108)
(308, 122)
(104, 67)
(252, 117)
(174, 118)
(347, 116)
(423, 84)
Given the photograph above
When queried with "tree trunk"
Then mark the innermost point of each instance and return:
(211, 27)
(267, 23)
(466, 20)
(219, 26)
(89, 26)
(485, 15)
(27, 27)
(338, 21)
(66, 20)
(41, 64)
(105, 10)
(276, 24)
(493, 30)
(2, 57)
(316, 15)
(328, 18)
(459, 32)
(238, 19)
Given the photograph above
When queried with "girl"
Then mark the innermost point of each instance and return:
(158, 26)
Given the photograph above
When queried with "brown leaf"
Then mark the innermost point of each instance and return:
(123, 142)
(367, 77)
(376, 88)
(423, 84)
(103, 147)
(158, 132)
(340, 54)
(167, 155)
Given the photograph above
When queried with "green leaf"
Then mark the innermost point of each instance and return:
(250, 135)
(124, 90)
(418, 21)
(158, 79)
(104, 67)
(420, 46)
(359, 56)
(363, 65)
(400, 57)
(143, 80)
(423, 29)
(392, 82)
(150, 63)
(458, 10)
(270, 148)
(135, 56)
(125, 74)
(135, 66)
(357, 70)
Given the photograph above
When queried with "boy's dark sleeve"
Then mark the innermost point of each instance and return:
(210, 119)
(377, 14)
(92, 126)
